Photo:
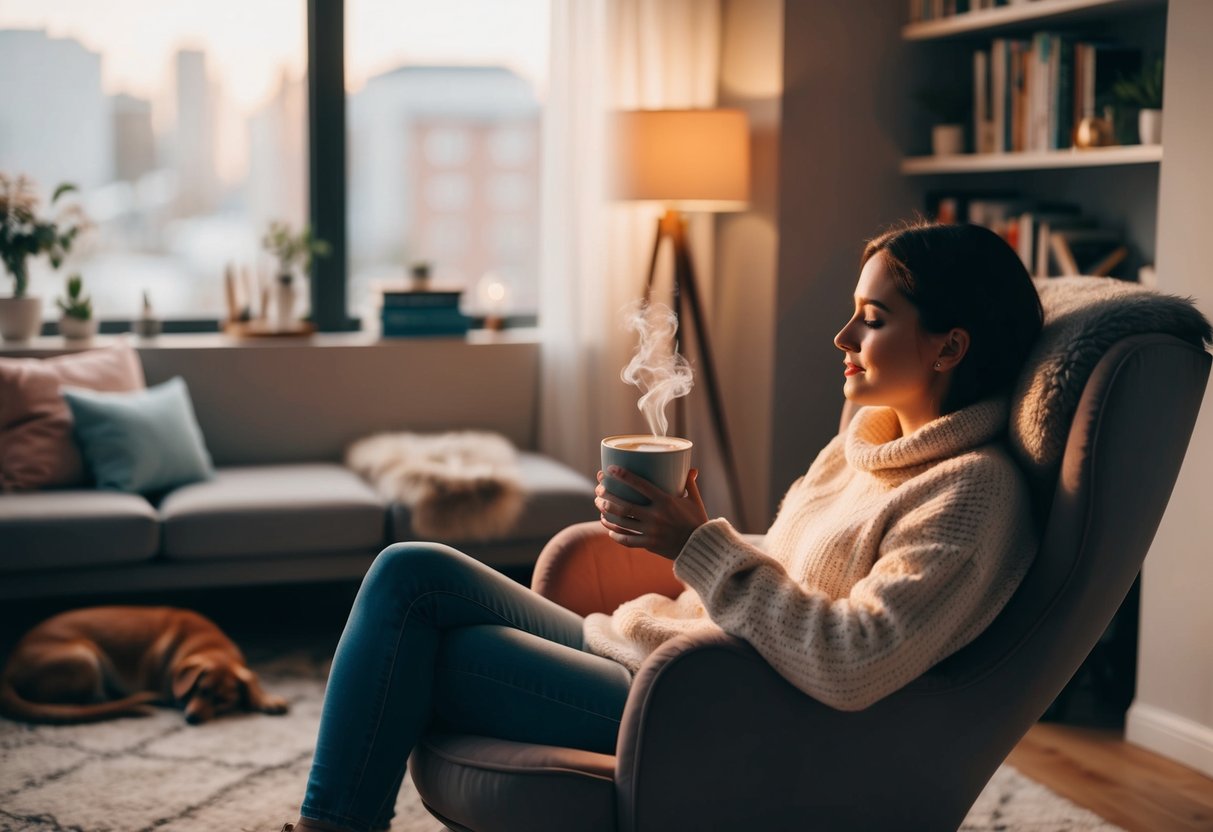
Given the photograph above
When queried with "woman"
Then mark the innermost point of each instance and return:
(899, 545)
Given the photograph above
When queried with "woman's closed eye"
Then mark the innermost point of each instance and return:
(873, 323)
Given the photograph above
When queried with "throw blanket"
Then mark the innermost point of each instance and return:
(1083, 317)
(459, 486)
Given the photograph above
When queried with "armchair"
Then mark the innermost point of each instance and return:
(713, 738)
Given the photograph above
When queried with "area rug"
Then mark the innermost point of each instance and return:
(246, 773)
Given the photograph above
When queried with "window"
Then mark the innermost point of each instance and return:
(184, 125)
(444, 107)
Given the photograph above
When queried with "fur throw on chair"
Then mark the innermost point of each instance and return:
(459, 486)
(1083, 317)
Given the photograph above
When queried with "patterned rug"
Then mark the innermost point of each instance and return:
(247, 772)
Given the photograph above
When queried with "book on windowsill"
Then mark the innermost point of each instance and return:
(422, 299)
(404, 322)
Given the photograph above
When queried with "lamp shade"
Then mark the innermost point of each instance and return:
(695, 160)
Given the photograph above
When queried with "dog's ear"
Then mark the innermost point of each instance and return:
(187, 676)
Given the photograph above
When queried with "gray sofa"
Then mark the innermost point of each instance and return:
(282, 508)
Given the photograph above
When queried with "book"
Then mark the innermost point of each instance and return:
(1083, 250)
(422, 299)
(399, 322)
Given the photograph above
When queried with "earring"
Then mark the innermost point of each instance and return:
(936, 365)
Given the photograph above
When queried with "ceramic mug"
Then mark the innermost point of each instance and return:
(664, 461)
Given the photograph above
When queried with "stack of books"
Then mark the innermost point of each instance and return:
(1030, 93)
(1051, 238)
(423, 312)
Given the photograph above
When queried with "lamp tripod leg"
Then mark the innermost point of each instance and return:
(684, 276)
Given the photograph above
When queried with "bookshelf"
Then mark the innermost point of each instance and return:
(1116, 186)
(1004, 18)
(990, 162)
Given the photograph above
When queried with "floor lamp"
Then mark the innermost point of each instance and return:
(688, 160)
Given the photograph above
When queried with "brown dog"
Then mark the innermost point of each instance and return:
(102, 662)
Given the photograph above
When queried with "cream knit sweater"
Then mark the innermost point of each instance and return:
(889, 554)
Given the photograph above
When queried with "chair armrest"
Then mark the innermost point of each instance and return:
(713, 737)
(585, 571)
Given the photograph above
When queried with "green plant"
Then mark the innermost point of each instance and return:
(293, 249)
(76, 305)
(23, 234)
(1142, 90)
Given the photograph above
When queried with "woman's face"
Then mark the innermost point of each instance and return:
(890, 359)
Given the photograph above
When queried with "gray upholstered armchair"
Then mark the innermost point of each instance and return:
(1101, 422)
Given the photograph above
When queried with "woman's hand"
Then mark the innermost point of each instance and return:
(663, 526)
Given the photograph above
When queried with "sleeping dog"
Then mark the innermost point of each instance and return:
(103, 662)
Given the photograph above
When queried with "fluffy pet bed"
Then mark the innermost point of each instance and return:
(462, 485)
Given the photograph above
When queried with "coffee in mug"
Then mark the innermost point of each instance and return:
(664, 461)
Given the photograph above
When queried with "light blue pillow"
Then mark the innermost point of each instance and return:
(140, 442)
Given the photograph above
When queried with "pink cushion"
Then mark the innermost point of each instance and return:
(36, 445)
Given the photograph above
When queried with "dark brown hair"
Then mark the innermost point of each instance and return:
(966, 276)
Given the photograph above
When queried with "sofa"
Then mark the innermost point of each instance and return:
(277, 416)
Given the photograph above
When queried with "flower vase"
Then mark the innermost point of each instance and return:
(284, 302)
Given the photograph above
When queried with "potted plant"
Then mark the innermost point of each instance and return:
(292, 250)
(77, 319)
(1144, 91)
(23, 234)
(949, 108)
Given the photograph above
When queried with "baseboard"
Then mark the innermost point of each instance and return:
(1176, 737)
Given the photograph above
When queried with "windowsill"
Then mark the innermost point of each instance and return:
(55, 344)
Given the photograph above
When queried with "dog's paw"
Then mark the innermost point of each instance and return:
(274, 705)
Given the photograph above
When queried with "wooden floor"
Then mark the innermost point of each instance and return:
(1127, 785)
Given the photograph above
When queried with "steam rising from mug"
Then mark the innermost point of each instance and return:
(661, 373)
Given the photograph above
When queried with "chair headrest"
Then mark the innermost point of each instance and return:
(1083, 316)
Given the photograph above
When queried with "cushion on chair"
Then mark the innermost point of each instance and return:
(1083, 317)
(272, 510)
(556, 497)
(75, 528)
(485, 783)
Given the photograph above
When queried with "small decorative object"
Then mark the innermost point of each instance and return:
(284, 300)
(947, 139)
(493, 298)
(1144, 91)
(419, 275)
(147, 325)
(77, 321)
(949, 108)
(24, 235)
(292, 251)
(1093, 131)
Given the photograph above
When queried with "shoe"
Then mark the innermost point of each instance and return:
(305, 825)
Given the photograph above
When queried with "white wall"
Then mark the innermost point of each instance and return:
(743, 288)
(842, 128)
(1173, 711)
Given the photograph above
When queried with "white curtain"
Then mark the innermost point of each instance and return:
(606, 54)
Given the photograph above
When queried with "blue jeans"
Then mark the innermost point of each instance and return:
(437, 635)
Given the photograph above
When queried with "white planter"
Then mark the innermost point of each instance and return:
(947, 139)
(1149, 126)
(20, 318)
(76, 329)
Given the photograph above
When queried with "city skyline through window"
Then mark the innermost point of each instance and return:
(185, 126)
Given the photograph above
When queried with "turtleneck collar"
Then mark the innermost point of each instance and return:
(874, 442)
